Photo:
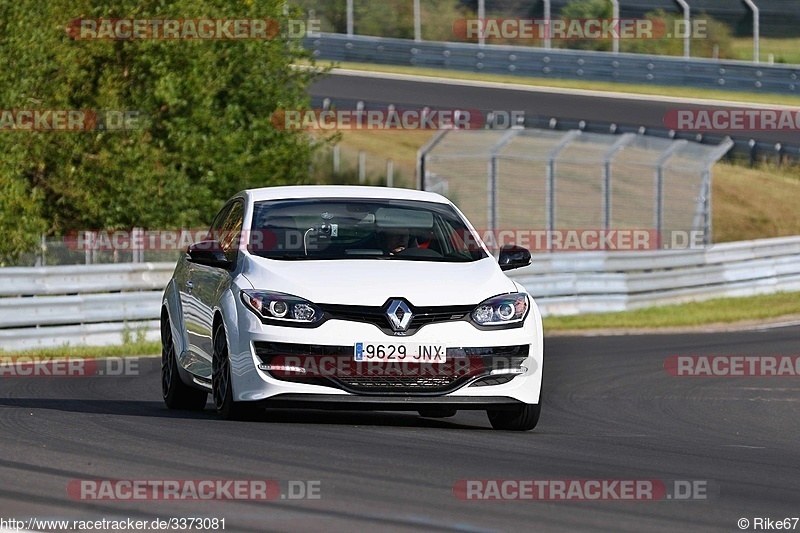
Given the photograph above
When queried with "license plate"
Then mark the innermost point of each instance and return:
(405, 352)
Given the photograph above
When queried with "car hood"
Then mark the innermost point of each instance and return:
(372, 282)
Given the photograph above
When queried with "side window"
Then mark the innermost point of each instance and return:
(230, 231)
(216, 225)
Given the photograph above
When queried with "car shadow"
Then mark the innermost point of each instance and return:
(157, 409)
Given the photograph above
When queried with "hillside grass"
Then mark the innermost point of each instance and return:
(785, 50)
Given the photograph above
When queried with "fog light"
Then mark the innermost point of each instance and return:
(520, 370)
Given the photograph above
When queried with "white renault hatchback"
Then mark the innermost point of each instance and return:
(331, 297)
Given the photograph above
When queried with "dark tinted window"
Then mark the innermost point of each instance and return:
(230, 232)
(361, 229)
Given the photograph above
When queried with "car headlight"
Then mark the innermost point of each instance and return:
(281, 307)
(501, 310)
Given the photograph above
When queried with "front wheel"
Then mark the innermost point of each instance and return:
(176, 393)
(521, 418)
(221, 386)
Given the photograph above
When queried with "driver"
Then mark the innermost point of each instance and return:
(395, 240)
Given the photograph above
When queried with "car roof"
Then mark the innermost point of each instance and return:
(340, 191)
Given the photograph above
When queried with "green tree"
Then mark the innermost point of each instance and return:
(204, 129)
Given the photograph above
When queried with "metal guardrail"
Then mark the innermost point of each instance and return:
(560, 64)
(93, 305)
(80, 279)
(76, 305)
(568, 283)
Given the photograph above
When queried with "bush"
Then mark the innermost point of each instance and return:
(587, 9)
(388, 19)
(718, 33)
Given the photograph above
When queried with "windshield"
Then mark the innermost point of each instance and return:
(343, 228)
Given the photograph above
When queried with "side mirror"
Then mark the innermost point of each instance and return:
(513, 256)
(208, 253)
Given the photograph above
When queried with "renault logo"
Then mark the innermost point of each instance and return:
(399, 315)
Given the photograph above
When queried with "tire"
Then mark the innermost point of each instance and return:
(221, 387)
(522, 418)
(437, 412)
(176, 393)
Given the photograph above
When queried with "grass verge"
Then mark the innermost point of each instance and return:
(717, 311)
(88, 352)
(784, 50)
(655, 90)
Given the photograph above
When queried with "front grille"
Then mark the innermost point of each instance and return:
(422, 316)
(334, 366)
(398, 383)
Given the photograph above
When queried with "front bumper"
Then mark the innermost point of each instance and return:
(334, 366)
(254, 345)
(387, 403)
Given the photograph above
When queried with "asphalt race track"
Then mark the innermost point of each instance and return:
(619, 110)
(611, 411)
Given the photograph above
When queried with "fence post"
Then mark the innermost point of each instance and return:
(624, 141)
(756, 30)
(491, 185)
(615, 16)
(362, 167)
(350, 18)
(88, 242)
(707, 207)
(548, 32)
(417, 21)
(481, 17)
(336, 159)
(137, 236)
(659, 192)
(687, 20)
(44, 250)
(389, 173)
(422, 155)
(723, 148)
(551, 182)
